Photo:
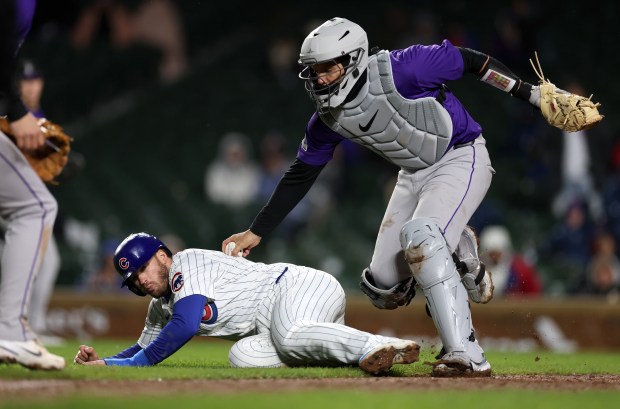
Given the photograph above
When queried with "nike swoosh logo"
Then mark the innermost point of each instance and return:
(37, 353)
(367, 126)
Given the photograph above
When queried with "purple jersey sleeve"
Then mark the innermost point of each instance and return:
(317, 147)
(419, 71)
(25, 13)
(13, 35)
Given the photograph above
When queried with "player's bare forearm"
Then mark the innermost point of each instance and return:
(243, 242)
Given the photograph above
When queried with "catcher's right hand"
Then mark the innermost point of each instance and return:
(244, 241)
(564, 110)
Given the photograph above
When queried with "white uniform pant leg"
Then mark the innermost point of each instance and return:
(30, 211)
(258, 351)
(454, 187)
(307, 326)
(403, 201)
(255, 351)
(44, 287)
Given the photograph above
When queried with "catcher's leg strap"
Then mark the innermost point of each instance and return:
(474, 276)
(431, 264)
(389, 299)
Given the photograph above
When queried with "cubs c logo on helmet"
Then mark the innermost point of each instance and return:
(177, 282)
(123, 263)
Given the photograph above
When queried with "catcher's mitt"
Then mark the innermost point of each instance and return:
(49, 160)
(564, 110)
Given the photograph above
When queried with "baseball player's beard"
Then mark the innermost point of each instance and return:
(161, 287)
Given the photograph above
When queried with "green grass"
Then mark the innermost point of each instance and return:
(202, 359)
(208, 359)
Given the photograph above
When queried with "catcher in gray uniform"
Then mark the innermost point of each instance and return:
(396, 104)
(280, 314)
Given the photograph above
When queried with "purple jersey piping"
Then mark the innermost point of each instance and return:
(471, 175)
(40, 238)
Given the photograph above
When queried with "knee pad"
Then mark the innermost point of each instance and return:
(426, 252)
(390, 299)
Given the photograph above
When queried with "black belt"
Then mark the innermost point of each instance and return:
(462, 145)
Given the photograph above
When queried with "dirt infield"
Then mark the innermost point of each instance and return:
(50, 388)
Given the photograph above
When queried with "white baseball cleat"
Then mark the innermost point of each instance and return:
(457, 364)
(30, 354)
(380, 359)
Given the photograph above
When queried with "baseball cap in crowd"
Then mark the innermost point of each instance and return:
(28, 70)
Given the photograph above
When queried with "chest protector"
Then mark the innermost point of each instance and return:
(412, 134)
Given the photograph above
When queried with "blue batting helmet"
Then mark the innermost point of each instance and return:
(133, 253)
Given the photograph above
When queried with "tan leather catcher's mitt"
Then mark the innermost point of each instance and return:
(49, 160)
(564, 110)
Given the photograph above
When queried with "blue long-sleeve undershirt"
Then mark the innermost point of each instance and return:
(182, 327)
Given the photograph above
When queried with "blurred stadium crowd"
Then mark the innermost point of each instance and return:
(185, 115)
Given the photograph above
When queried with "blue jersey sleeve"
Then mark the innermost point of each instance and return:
(128, 353)
(182, 327)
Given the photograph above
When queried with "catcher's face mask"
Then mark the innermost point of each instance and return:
(337, 48)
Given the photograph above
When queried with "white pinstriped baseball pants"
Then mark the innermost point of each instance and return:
(301, 322)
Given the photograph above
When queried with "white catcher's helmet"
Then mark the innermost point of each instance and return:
(340, 40)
